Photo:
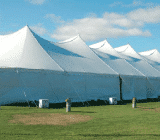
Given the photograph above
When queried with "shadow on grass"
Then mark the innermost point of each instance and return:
(142, 107)
(116, 135)
(84, 111)
(15, 134)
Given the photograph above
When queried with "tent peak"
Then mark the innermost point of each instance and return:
(150, 52)
(128, 50)
(97, 45)
(122, 48)
(105, 41)
(68, 40)
(27, 27)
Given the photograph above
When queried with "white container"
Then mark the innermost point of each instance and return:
(113, 100)
(43, 103)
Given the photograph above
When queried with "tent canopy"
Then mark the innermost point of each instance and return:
(128, 53)
(105, 51)
(152, 57)
(22, 50)
(73, 55)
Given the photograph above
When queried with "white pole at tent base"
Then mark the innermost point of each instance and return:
(134, 103)
(68, 105)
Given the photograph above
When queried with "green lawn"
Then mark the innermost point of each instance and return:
(109, 122)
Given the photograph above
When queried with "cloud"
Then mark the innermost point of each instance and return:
(93, 28)
(135, 3)
(121, 20)
(54, 18)
(37, 2)
(151, 15)
(39, 29)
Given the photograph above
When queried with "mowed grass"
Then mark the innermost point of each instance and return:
(110, 122)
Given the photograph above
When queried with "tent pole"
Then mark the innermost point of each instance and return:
(120, 82)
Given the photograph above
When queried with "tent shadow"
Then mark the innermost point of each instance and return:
(117, 135)
(84, 111)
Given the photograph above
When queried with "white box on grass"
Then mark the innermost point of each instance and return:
(113, 100)
(43, 103)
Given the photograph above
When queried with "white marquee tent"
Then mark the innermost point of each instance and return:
(131, 77)
(33, 68)
(152, 74)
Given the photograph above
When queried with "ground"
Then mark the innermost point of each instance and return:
(149, 109)
(49, 119)
(58, 118)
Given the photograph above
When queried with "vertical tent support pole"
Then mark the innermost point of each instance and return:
(120, 85)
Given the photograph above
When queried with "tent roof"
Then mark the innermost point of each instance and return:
(105, 51)
(128, 53)
(105, 47)
(77, 57)
(22, 50)
(150, 52)
(128, 50)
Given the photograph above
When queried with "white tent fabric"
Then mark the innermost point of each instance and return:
(152, 57)
(130, 76)
(46, 70)
(152, 74)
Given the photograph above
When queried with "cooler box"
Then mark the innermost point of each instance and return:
(43, 103)
(113, 100)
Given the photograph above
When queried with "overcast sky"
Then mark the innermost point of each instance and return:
(135, 22)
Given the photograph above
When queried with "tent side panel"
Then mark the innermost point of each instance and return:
(153, 88)
(34, 85)
(133, 87)
(127, 88)
(102, 87)
(140, 88)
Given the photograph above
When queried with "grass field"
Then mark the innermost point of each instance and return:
(108, 122)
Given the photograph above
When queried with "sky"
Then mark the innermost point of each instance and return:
(121, 22)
